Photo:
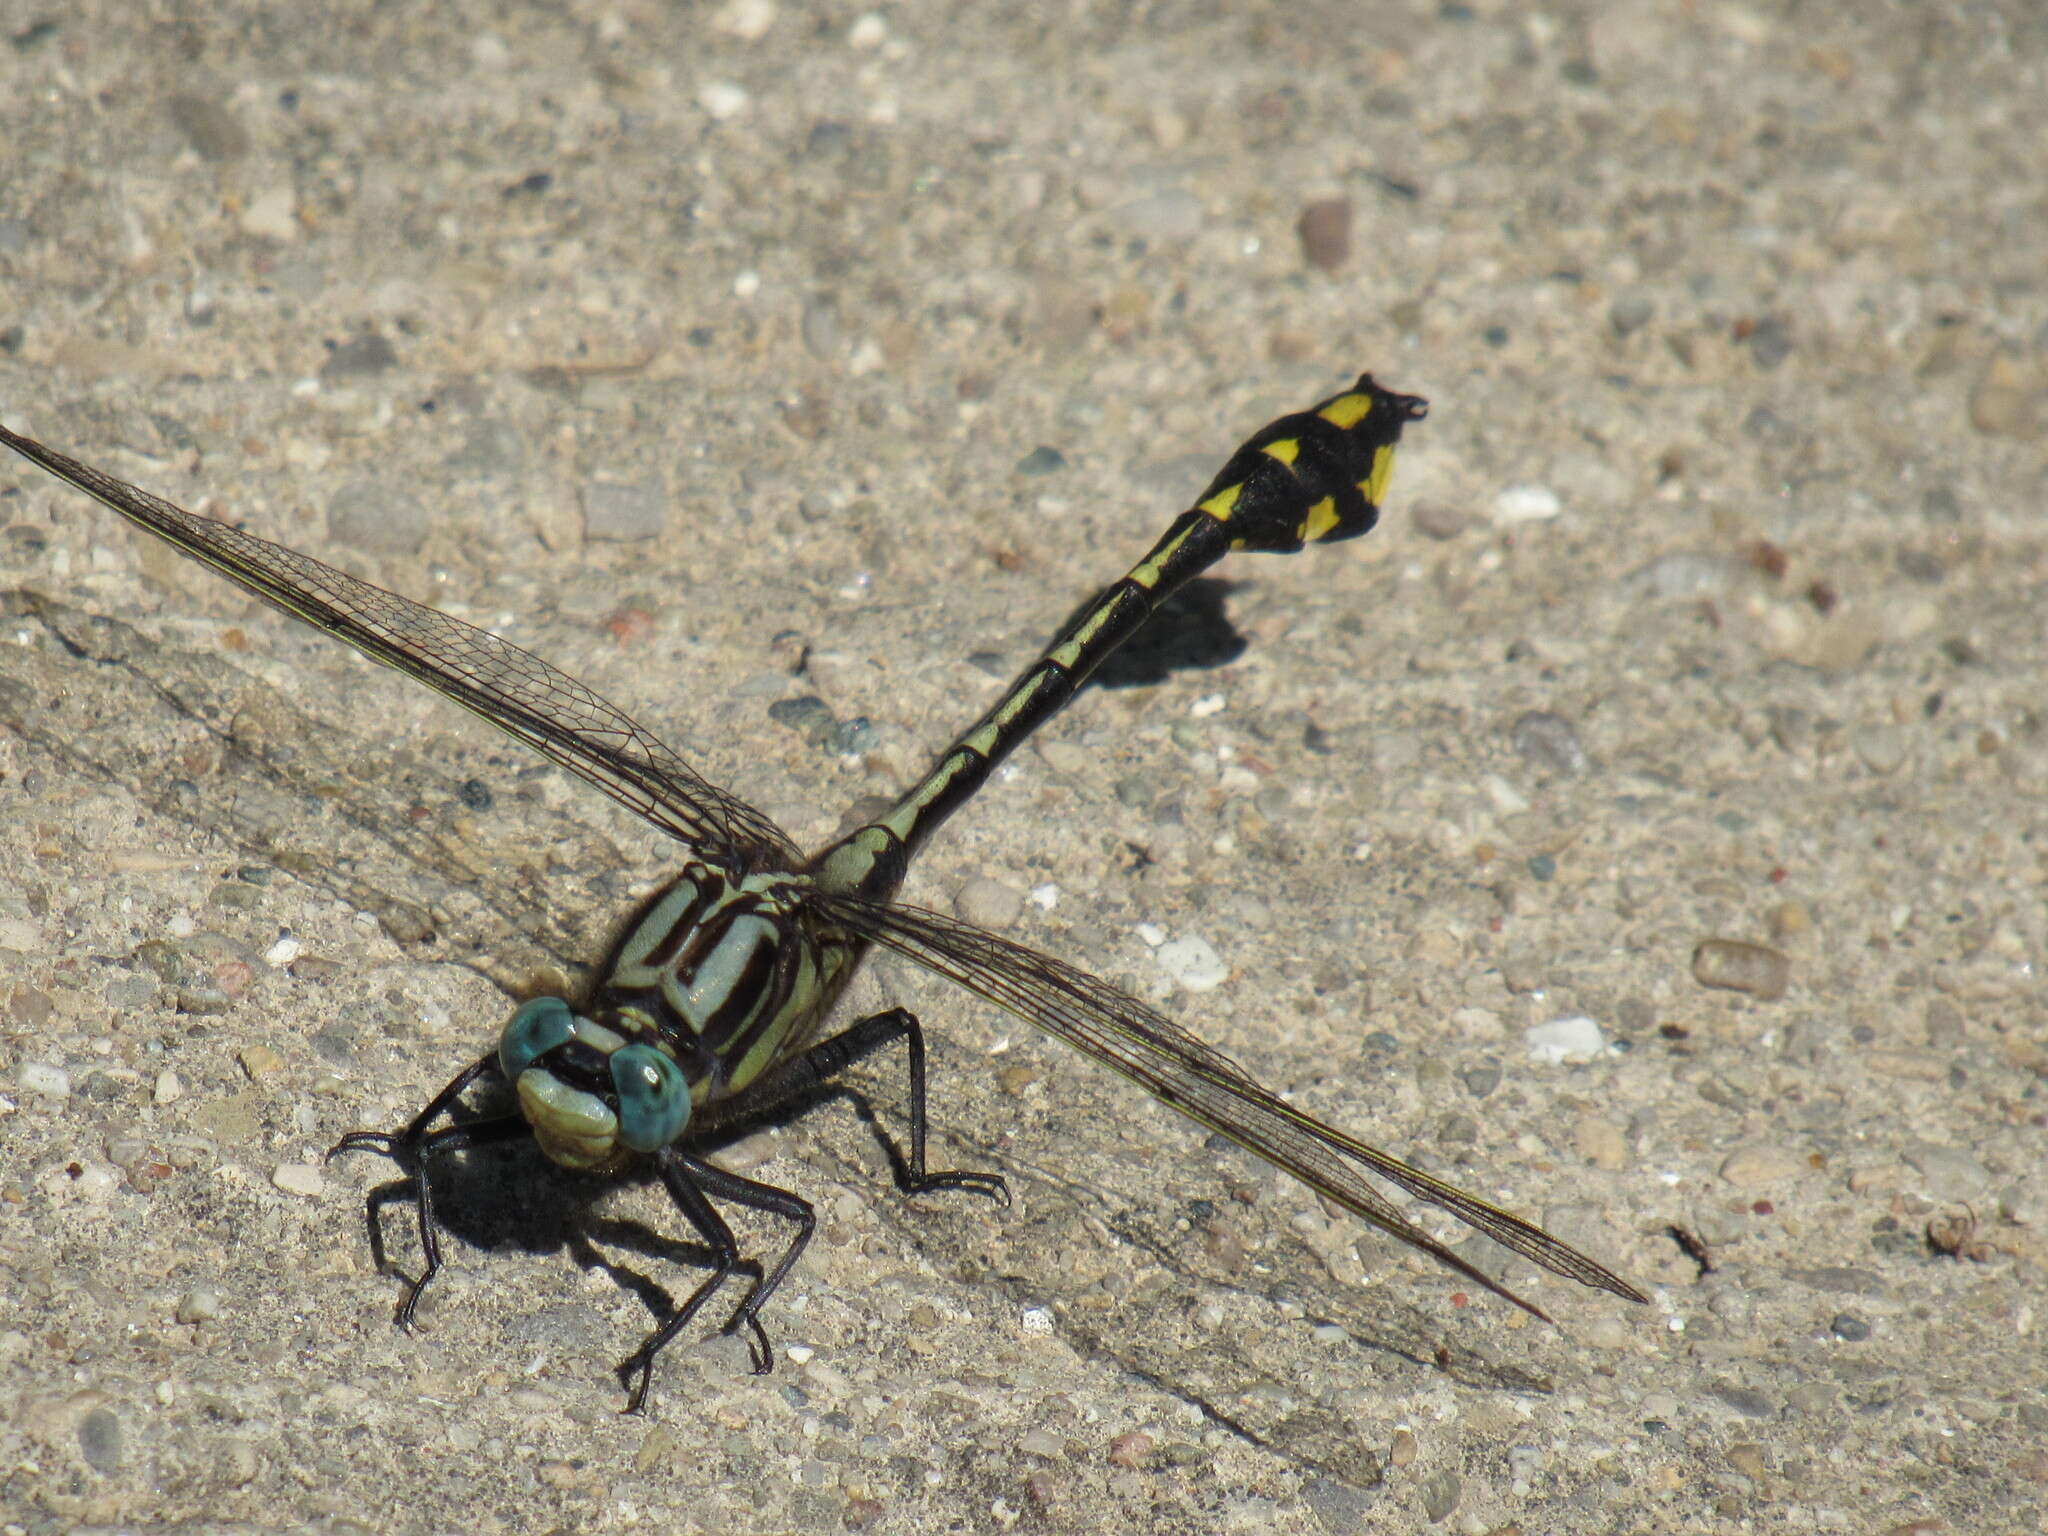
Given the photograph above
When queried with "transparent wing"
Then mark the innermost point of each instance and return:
(511, 688)
(1205, 1085)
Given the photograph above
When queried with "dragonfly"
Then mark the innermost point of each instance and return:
(715, 1006)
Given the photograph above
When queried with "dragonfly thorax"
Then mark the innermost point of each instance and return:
(718, 979)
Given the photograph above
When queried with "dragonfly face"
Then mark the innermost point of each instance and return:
(718, 980)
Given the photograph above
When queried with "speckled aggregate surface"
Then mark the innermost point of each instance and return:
(690, 344)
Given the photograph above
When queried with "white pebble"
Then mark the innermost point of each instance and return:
(283, 952)
(868, 31)
(1561, 1040)
(272, 213)
(169, 1086)
(1193, 964)
(748, 20)
(1526, 504)
(1045, 897)
(1152, 934)
(722, 100)
(1036, 1320)
(41, 1077)
(1208, 704)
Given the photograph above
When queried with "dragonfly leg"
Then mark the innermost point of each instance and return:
(411, 1148)
(825, 1060)
(690, 1182)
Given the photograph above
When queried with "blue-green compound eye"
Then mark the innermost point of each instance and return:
(537, 1028)
(654, 1100)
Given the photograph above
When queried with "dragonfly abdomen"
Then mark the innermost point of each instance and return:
(1316, 476)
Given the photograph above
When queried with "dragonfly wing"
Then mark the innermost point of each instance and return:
(510, 896)
(511, 688)
(1205, 1085)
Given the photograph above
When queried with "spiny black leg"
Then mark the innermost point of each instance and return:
(411, 1148)
(684, 1177)
(825, 1060)
(777, 1202)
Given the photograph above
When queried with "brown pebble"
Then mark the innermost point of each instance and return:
(1735, 966)
(1130, 1450)
(1325, 231)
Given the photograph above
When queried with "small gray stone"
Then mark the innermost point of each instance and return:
(988, 903)
(1949, 1173)
(623, 513)
(1630, 313)
(362, 356)
(1549, 741)
(99, 1440)
(201, 1304)
(1751, 1166)
(1440, 1492)
(1174, 215)
(210, 126)
(377, 519)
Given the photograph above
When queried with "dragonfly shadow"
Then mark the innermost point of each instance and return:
(509, 1197)
(1190, 632)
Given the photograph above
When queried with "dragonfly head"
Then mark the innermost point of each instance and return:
(593, 1093)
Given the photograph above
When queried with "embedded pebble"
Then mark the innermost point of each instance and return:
(1601, 1142)
(283, 952)
(722, 100)
(1761, 1163)
(1948, 1173)
(363, 356)
(1682, 575)
(272, 213)
(201, 1304)
(1173, 215)
(1629, 313)
(1561, 1040)
(41, 1077)
(1440, 1493)
(1549, 741)
(1131, 1449)
(210, 126)
(1192, 964)
(745, 19)
(623, 514)
(988, 903)
(377, 518)
(1043, 1444)
(299, 1179)
(99, 1440)
(1880, 748)
(1735, 966)
(1325, 232)
(260, 1062)
(1525, 504)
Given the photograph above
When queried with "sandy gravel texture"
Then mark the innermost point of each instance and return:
(788, 373)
